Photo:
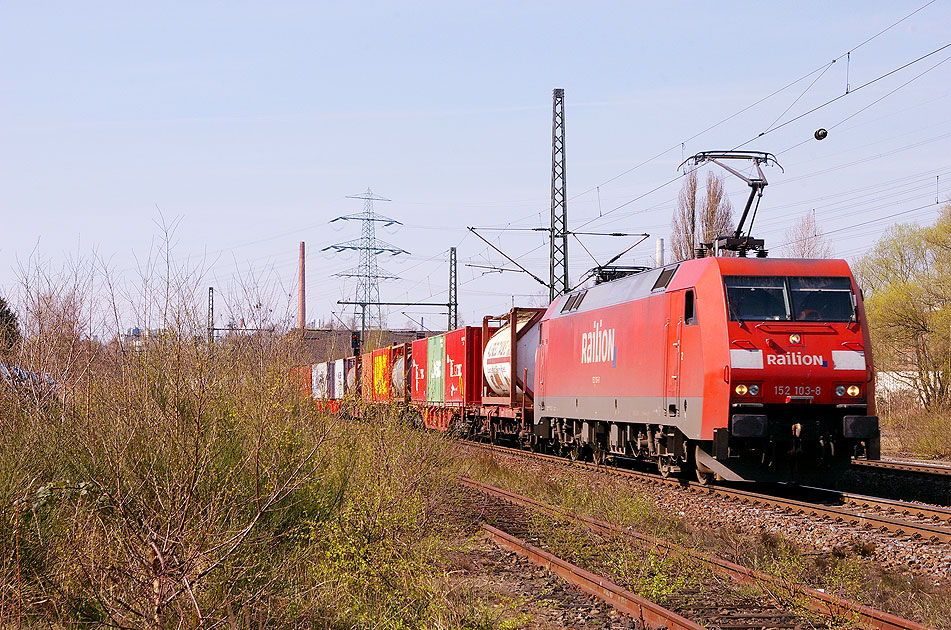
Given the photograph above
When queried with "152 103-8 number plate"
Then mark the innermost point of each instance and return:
(797, 390)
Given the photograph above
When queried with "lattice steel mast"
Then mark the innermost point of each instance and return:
(453, 291)
(558, 284)
(368, 273)
(211, 315)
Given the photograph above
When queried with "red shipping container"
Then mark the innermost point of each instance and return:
(464, 366)
(418, 371)
(301, 377)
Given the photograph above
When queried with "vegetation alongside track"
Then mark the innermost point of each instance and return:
(170, 484)
(909, 430)
(906, 278)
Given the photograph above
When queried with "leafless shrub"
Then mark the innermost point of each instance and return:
(174, 482)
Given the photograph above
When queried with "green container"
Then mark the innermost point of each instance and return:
(436, 377)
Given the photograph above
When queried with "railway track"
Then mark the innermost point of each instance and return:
(917, 468)
(833, 609)
(894, 521)
(938, 515)
(650, 614)
(926, 522)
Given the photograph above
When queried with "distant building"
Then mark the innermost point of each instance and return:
(136, 338)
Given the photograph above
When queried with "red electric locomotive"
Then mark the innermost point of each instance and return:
(742, 368)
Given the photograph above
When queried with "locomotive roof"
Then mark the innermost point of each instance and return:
(642, 285)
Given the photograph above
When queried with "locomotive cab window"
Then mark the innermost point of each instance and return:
(796, 298)
(759, 298)
(822, 299)
(690, 308)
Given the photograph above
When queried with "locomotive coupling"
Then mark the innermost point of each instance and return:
(860, 427)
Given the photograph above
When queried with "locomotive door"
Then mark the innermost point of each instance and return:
(541, 356)
(674, 328)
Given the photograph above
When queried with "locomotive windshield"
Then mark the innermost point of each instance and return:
(793, 298)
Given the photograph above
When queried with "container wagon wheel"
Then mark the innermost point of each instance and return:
(574, 452)
(598, 455)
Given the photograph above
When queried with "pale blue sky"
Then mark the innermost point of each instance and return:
(251, 122)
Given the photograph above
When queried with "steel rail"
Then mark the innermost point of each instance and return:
(925, 531)
(621, 599)
(920, 510)
(817, 601)
(908, 467)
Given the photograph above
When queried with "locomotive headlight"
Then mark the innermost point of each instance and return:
(741, 390)
(840, 390)
(794, 338)
(754, 390)
(853, 390)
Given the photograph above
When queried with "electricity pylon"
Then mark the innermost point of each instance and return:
(368, 272)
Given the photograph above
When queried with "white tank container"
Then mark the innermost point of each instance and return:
(497, 356)
(399, 374)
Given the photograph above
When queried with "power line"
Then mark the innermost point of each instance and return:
(888, 28)
(841, 96)
(821, 68)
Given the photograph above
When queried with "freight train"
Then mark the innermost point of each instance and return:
(726, 368)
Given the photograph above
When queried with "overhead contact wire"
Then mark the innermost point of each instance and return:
(841, 96)
(822, 68)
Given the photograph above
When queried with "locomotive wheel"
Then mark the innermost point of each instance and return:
(665, 465)
(705, 476)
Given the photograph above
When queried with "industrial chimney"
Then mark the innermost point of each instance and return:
(659, 257)
(301, 313)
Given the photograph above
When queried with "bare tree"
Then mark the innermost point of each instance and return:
(683, 238)
(806, 240)
(696, 224)
(716, 216)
